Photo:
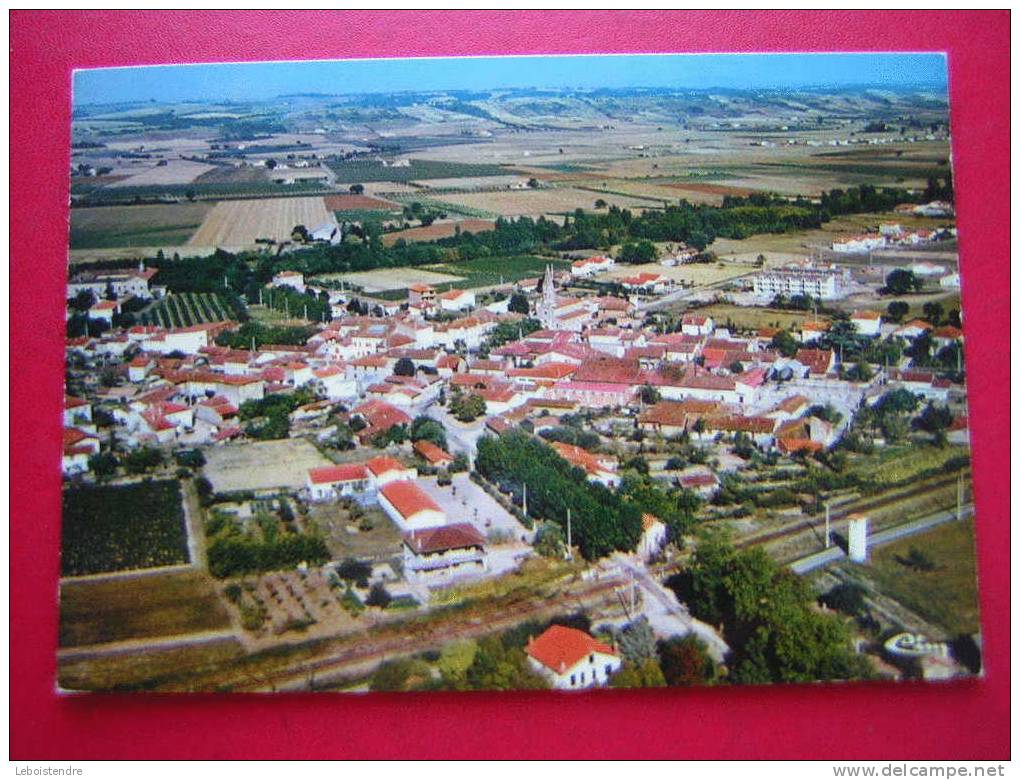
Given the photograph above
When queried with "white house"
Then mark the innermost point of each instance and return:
(293, 279)
(456, 300)
(409, 506)
(76, 410)
(868, 323)
(570, 659)
(696, 325)
(330, 482)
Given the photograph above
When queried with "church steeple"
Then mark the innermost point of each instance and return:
(547, 306)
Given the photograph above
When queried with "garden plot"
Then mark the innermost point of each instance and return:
(108, 528)
(240, 223)
(266, 465)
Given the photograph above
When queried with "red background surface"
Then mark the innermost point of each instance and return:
(910, 721)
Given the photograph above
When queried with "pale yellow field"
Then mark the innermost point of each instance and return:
(392, 278)
(694, 273)
(375, 188)
(240, 222)
(174, 172)
(533, 203)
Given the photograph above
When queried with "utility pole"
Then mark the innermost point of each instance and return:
(827, 533)
(570, 546)
(959, 496)
(524, 501)
(260, 296)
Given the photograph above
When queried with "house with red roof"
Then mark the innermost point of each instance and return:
(378, 416)
(327, 483)
(385, 469)
(432, 454)
(867, 322)
(79, 446)
(409, 506)
(456, 300)
(571, 659)
(444, 552)
(697, 325)
(589, 266)
(77, 411)
(104, 310)
(597, 468)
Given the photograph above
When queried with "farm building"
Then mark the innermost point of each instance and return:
(409, 506)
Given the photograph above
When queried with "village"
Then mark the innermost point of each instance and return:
(378, 468)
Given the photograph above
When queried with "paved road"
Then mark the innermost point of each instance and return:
(669, 299)
(461, 438)
(825, 557)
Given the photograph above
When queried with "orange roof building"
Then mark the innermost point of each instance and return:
(572, 659)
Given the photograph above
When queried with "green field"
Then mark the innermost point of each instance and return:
(112, 610)
(947, 595)
(116, 527)
(353, 171)
(366, 215)
(185, 309)
(119, 226)
(488, 271)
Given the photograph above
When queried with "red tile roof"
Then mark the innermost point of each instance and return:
(445, 537)
(408, 499)
(384, 463)
(348, 472)
(559, 648)
(431, 452)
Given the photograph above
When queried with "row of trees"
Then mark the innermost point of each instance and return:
(602, 521)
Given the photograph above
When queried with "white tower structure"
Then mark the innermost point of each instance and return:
(858, 542)
(546, 309)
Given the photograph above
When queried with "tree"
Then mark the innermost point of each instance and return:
(933, 312)
(519, 304)
(636, 641)
(935, 419)
(425, 428)
(902, 281)
(356, 189)
(643, 251)
(354, 571)
(647, 674)
(499, 667)
(897, 310)
(271, 164)
(103, 465)
(378, 596)
(467, 407)
(649, 395)
(685, 661)
(404, 367)
(846, 597)
(142, 460)
(785, 344)
(549, 541)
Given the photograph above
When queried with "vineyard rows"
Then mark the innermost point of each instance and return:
(184, 309)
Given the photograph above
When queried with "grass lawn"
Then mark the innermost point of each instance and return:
(752, 318)
(94, 612)
(947, 595)
(118, 527)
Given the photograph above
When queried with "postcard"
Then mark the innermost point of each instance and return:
(501, 373)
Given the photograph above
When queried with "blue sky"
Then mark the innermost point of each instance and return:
(266, 80)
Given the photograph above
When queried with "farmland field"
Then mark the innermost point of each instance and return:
(174, 172)
(264, 465)
(752, 318)
(223, 174)
(690, 273)
(135, 226)
(534, 203)
(474, 182)
(238, 223)
(360, 202)
(352, 171)
(487, 271)
(438, 230)
(116, 527)
(382, 279)
(185, 309)
(112, 610)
